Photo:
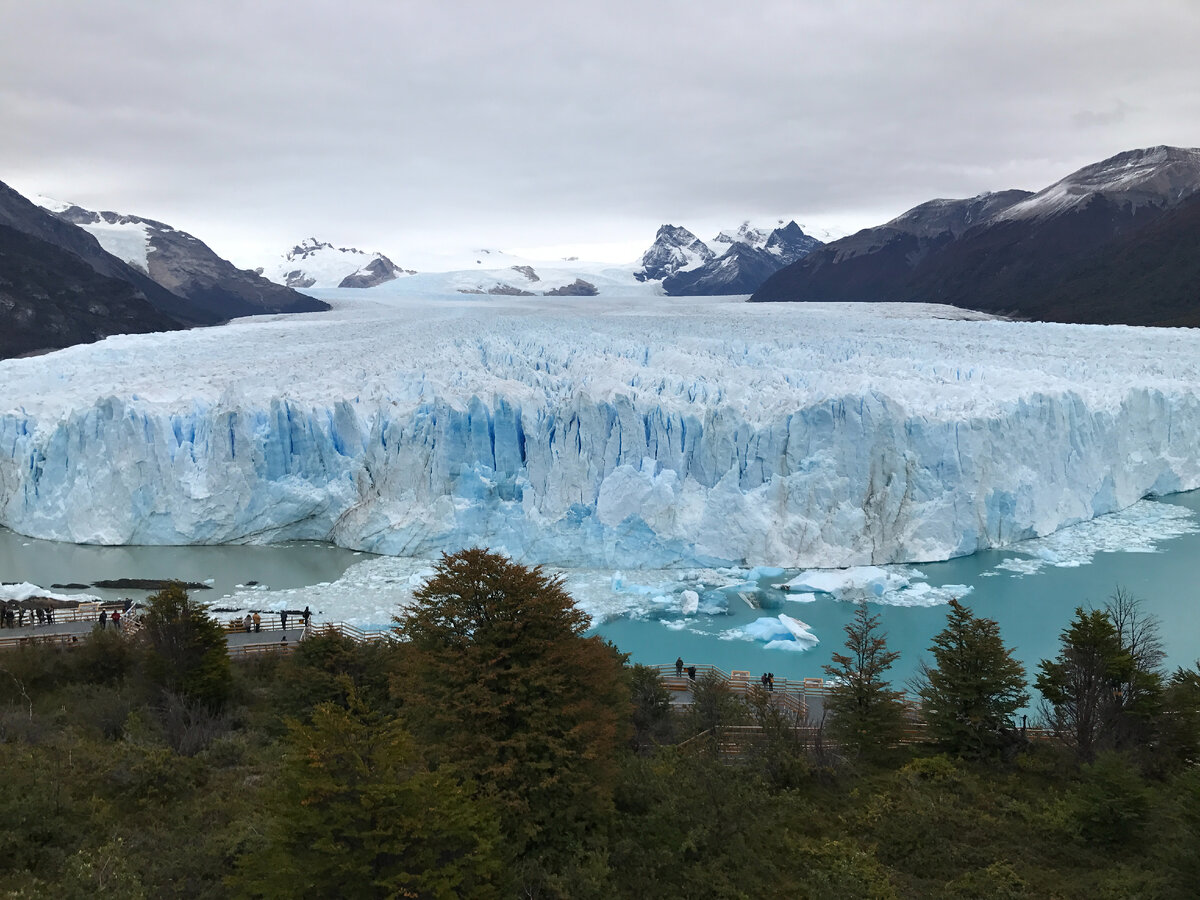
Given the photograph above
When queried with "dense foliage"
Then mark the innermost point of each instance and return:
(973, 689)
(328, 772)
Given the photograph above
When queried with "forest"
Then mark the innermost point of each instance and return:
(490, 748)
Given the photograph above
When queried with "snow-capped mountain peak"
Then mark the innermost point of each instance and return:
(675, 249)
(314, 263)
(746, 233)
(1155, 176)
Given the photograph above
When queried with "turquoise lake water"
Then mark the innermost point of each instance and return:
(1032, 608)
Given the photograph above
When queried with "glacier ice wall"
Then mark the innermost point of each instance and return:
(871, 436)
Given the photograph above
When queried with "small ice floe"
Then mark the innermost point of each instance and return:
(896, 586)
(27, 591)
(764, 572)
(780, 632)
(689, 603)
(871, 581)
(1139, 528)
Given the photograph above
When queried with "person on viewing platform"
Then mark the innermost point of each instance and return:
(103, 619)
(247, 623)
(116, 619)
(283, 619)
(257, 623)
(679, 667)
(306, 614)
(691, 670)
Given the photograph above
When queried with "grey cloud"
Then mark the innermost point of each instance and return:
(390, 123)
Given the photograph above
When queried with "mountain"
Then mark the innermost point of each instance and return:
(1113, 243)
(51, 298)
(20, 214)
(186, 266)
(739, 270)
(59, 287)
(674, 249)
(747, 257)
(319, 264)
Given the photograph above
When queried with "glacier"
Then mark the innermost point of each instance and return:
(640, 432)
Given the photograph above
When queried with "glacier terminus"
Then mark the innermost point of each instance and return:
(647, 431)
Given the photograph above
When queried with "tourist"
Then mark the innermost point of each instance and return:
(306, 614)
(257, 619)
(691, 670)
(283, 619)
(770, 681)
(116, 619)
(679, 667)
(103, 619)
(247, 623)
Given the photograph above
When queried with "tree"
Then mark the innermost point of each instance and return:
(356, 815)
(866, 715)
(1096, 696)
(1179, 723)
(500, 682)
(714, 704)
(971, 693)
(1138, 631)
(185, 648)
(651, 709)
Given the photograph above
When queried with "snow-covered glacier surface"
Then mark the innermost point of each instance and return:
(646, 432)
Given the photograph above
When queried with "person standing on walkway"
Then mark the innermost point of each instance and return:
(283, 619)
(247, 623)
(257, 623)
(103, 619)
(770, 681)
(679, 667)
(116, 619)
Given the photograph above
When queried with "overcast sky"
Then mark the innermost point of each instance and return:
(399, 126)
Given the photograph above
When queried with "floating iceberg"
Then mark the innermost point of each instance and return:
(641, 433)
(689, 603)
(777, 633)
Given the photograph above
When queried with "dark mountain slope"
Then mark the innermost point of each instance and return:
(50, 298)
(188, 267)
(24, 216)
(1149, 277)
(1115, 242)
(739, 270)
(876, 263)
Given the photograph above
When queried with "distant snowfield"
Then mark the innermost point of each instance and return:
(128, 241)
(648, 433)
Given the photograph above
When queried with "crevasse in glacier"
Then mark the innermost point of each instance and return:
(647, 432)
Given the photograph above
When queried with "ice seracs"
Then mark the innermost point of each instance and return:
(646, 432)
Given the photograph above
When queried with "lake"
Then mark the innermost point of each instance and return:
(1032, 589)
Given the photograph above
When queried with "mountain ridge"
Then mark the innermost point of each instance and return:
(1027, 254)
